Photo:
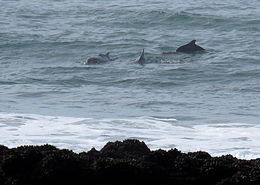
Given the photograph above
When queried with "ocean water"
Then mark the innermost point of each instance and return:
(205, 101)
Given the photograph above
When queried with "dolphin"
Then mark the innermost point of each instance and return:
(190, 47)
(101, 58)
(141, 59)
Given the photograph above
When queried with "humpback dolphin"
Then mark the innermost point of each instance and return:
(190, 47)
(101, 58)
(141, 59)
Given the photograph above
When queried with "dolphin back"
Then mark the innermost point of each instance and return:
(190, 47)
(93, 60)
(101, 58)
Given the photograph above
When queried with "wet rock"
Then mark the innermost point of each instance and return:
(127, 162)
(127, 149)
(3, 148)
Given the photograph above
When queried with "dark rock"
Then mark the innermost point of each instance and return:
(3, 148)
(127, 149)
(127, 162)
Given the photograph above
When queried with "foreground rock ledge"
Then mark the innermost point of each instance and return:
(127, 162)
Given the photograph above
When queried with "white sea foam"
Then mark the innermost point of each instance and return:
(81, 134)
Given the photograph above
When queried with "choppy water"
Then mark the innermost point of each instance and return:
(207, 101)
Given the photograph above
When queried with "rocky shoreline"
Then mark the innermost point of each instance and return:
(127, 162)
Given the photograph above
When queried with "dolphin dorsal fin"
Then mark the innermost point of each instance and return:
(142, 55)
(141, 59)
(192, 42)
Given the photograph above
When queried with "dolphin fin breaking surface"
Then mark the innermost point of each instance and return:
(141, 59)
(190, 47)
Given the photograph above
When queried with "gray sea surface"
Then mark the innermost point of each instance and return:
(202, 101)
